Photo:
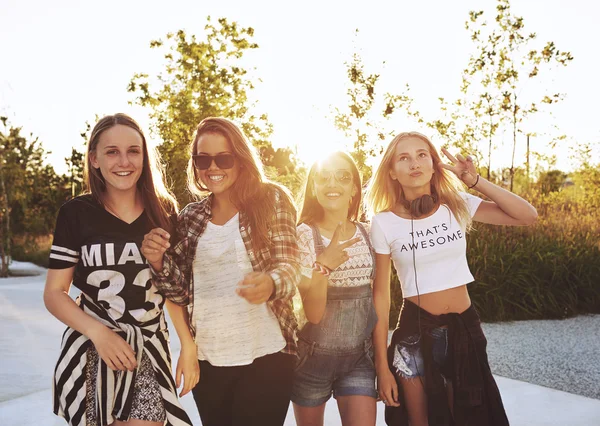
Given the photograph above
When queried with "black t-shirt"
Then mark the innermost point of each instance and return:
(109, 266)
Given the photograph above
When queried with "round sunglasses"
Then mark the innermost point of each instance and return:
(342, 176)
(223, 161)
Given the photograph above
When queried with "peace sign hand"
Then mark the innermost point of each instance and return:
(335, 254)
(463, 167)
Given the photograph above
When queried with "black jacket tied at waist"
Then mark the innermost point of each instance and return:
(476, 396)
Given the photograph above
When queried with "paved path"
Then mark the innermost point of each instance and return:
(560, 354)
(29, 345)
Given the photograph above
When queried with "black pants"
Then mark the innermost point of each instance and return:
(255, 394)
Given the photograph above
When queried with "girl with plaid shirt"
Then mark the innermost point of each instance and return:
(234, 263)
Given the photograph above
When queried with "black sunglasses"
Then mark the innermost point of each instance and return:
(342, 176)
(223, 161)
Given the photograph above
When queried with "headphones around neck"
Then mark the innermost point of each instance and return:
(419, 206)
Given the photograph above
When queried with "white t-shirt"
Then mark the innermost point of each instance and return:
(230, 330)
(439, 245)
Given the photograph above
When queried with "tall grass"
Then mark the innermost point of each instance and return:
(548, 270)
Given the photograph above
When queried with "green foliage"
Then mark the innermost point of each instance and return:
(281, 166)
(360, 121)
(29, 248)
(30, 190)
(76, 163)
(32, 187)
(509, 60)
(504, 62)
(549, 270)
(204, 78)
(551, 181)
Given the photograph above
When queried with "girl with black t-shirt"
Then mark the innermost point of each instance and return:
(114, 366)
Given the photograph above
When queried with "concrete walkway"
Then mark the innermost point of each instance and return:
(29, 345)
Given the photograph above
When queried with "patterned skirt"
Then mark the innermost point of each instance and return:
(147, 400)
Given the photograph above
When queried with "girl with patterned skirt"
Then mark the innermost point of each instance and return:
(114, 366)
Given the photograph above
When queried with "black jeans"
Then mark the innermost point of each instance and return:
(255, 394)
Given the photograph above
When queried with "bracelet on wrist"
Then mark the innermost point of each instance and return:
(321, 269)
(476, 182)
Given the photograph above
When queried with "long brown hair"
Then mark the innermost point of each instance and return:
(159, 203)
(384, 192)
(251, 192)
(312, 212)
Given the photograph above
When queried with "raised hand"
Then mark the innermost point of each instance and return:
(463, 167)
(335, 253)
(113, 349)
(154, 246)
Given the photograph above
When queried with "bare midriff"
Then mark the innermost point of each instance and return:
(452, 300)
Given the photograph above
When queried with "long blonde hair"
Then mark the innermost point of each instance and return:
(384, 192)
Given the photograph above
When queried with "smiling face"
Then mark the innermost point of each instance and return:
(216, 180)
(119, 157)
(412, 164)
(334, 185)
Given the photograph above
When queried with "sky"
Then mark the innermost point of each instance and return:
(65, 61)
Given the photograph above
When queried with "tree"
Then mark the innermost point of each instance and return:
(30, 191)
(586, 177)
(76, 163)
(204, 78)
(480, 83)
(506, 58)
(360, 121)
(5, 209)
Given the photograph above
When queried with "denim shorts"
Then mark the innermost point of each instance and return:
(321, 373)
(408, 358)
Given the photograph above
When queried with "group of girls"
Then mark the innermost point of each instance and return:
(230, 267)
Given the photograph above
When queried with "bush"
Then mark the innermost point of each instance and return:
(32, 249)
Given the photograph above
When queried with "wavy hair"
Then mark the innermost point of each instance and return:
(312, 212)
(251, 192)
(158, 202)
(384, 192)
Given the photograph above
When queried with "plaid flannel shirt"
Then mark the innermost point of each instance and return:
(279, 260)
